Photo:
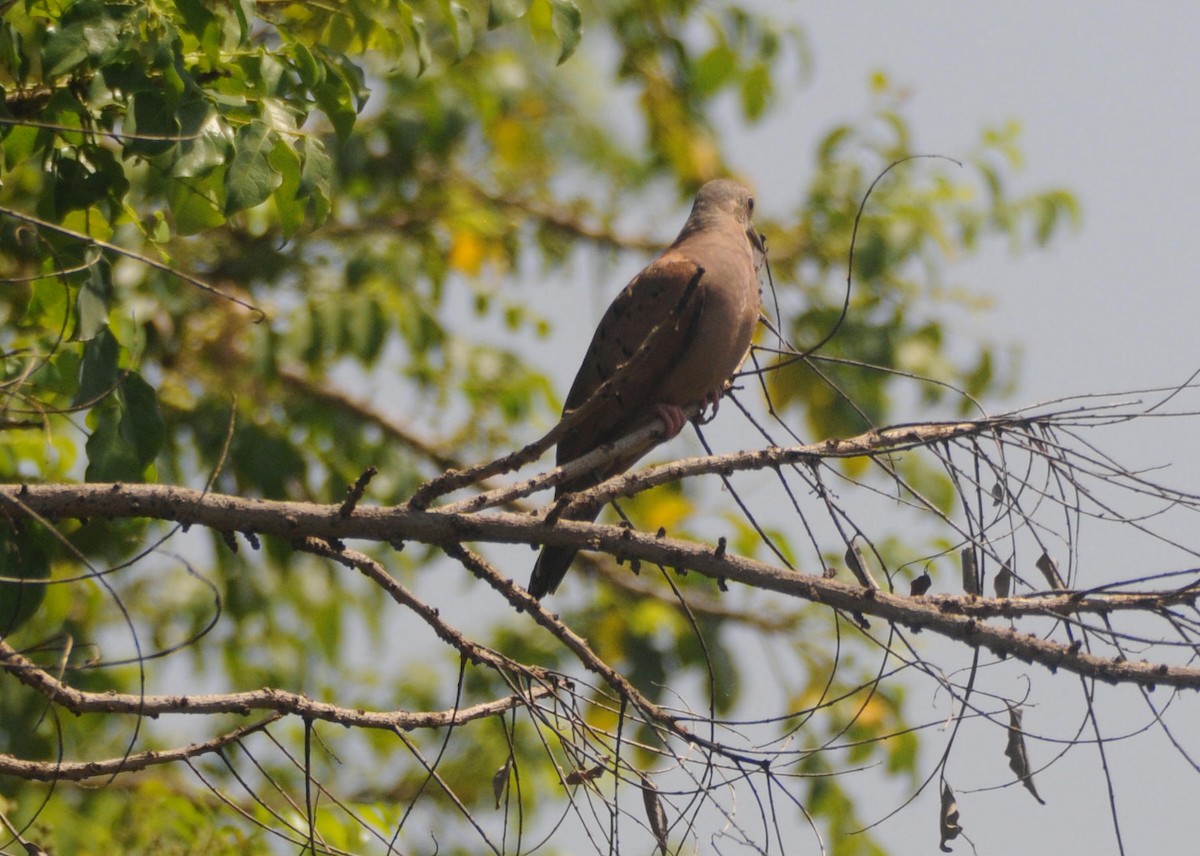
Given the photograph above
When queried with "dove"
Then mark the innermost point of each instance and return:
(703, 295)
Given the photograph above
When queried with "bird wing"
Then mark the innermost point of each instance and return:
(652, 298)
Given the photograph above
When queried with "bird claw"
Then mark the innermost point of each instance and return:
(673, 419)
(712, 399)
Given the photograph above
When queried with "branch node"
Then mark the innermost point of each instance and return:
(354, 493)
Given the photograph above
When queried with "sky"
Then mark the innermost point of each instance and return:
(1105, 95)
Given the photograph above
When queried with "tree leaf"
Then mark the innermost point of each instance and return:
(311, 72)
(110, 457)
(250, 179)
(316, 171)
(713, 69)
(336, 97)
(98, 370)
(207, 140)
(22, 557)
(93, 302)
(501, 12)
(500, 780)
(87, 30)
(197, 204)
(756, 91)
(416, 27)
(567, 22)
(970, 571)
(77, 186)
(460, 29)
(290, 208)
(151, 116)
(141, 424)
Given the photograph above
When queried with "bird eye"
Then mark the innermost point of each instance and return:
(750, 204)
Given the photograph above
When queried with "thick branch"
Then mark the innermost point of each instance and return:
(962, 618)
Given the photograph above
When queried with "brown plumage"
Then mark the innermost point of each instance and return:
(689, 361)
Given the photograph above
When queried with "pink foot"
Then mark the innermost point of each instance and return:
(673, 418)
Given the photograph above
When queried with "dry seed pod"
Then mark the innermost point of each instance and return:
(1018, 757)
(948, 818)
(655, 813)
(970, 572)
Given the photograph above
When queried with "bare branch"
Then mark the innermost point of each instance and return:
(280, 701)
(78, 771)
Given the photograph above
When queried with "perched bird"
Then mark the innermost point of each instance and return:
(704, 291)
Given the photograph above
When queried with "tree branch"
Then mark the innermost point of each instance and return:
(76, 771)
(962, 618)
(280, 701)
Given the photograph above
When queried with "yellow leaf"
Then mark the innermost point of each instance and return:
(666, 510)
(510, 138)
(467, 252)
(873, 714)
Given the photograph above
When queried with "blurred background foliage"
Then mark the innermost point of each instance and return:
(236, 240)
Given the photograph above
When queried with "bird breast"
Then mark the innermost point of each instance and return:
(721, 337)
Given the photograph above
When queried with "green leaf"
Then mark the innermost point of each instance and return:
(150, 116)
(47, 306)
(244, 9)
(501, 12)
(64, 49)
(416, 27)
(206, 143)
(266, 462)
(311, 72)
(20, 142)
(197, 204)
(98, 371)
(77, 186)
(316, 170)
(22, 557)
(756, 91)
(568, 26)
(250, 179)
(461, 30)
(87, 29)
(93, 303)
(12, 56)
(335, 97)
(141, 425)
(713, 69)
(366, 329)
(196, 16)
(286, 163)
(110, 456)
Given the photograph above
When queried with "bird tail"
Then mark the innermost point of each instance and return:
(551, 567)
